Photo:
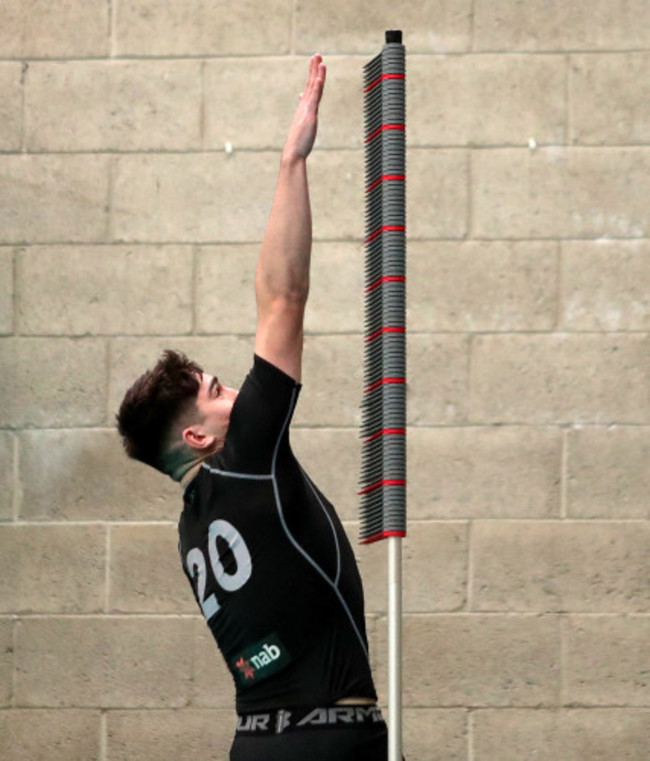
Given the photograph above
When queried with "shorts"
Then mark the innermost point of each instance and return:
(337, 733)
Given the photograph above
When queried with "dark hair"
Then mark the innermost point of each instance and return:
(157, 400)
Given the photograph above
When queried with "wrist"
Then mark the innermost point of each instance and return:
(291, 158)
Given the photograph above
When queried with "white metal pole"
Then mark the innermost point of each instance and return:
(394, 648)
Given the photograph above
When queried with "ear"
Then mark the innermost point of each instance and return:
(195, 438)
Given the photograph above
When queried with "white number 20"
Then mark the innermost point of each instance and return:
(229, 582)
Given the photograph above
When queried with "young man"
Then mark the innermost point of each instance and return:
(264, 551)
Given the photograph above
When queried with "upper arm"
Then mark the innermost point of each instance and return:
(279, 336)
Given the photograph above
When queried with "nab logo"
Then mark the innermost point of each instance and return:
(260, 660)
(267, 654)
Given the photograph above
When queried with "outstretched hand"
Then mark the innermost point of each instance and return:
(302, 132)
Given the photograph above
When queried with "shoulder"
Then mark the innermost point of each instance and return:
(266, 388)
(260, 416)
(269, 375)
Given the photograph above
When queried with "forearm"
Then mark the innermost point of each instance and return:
(282, 278)
(283, 265)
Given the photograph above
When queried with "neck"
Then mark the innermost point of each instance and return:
(182, 463)
(189, 474)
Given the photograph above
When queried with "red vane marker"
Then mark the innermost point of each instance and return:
(386, 432)
(385, 279)
(386, 178)
(384, 229)
(381, 79)
(384, 482)
(381, 382)
(381, 331)
(383, 128)
(382, 535)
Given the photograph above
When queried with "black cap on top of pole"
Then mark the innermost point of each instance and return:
(394, 36)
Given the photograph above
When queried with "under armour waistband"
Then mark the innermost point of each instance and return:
(283, 720)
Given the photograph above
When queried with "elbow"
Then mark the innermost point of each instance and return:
(290, 302)
(296, 296)
(288, 309)
(291, 295)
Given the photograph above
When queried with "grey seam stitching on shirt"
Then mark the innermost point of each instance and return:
(232, 474)
(293, 541)
(327, 515)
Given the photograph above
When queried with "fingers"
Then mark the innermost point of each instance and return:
(313, 66)
(315, 82)
(315, 77)
(314, 63)
(321, 74)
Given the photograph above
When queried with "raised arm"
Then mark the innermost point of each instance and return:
(282, 277)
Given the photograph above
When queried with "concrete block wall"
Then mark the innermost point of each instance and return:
(127, 226)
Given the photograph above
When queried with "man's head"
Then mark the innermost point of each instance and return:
(175, 415)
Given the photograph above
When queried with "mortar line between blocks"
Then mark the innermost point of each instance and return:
(331, 54)
(23, 106)
(107, 570)
(110, 204)
(195, 288)
(253, 149)
(471, 343)
(568, 102)
(15, 285)
(292, 30)
(349, 240)
(202, 106)
(559, 275)
(472, 26)
(564, 475)
(112, 42)
(562, 665)
(16, 495)
(14, 646)
(470, 566)
(103, 735)
(469, 228)
(108, 423)
(470, 735)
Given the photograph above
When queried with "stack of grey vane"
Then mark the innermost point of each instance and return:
(383, 428)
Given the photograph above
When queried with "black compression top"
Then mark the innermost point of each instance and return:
(270, 564)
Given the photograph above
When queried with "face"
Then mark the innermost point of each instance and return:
(214, 401)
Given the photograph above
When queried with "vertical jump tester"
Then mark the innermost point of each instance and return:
(383, 427)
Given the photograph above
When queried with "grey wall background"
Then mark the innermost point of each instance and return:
(126, 227)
